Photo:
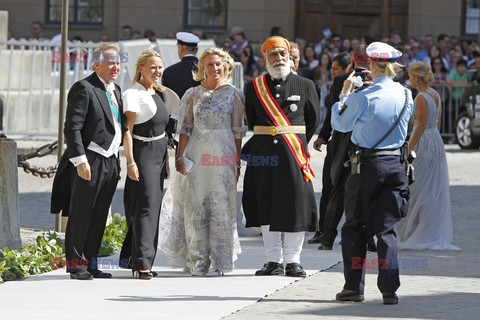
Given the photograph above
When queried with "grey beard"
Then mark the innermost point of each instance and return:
(279, 72)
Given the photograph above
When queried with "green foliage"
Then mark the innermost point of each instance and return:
(32, 259)
(48, 252)
(113, 236)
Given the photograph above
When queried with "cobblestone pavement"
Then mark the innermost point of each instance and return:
(435, 285)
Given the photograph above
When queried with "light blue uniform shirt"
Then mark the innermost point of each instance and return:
(371, 113)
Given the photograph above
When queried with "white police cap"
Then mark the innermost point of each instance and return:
(382, 52)
(188, 39)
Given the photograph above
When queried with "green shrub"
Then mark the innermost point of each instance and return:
(48, 252)
(113, 236)
(32, 259)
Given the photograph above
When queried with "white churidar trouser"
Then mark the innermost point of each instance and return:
(278, 251)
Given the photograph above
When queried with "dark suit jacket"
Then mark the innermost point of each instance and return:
(335, 90)
(88, 119)
(178, 76)
(340, 142)
(306, 73)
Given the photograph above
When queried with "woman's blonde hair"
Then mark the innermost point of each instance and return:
(423, 71)
(228, 64)
(141, 61)
(389, 69)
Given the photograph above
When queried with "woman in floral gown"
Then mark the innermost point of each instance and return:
(198, 221)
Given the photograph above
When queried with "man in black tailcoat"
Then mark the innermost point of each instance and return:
(89, 170)
(337, 151)
(339, 66)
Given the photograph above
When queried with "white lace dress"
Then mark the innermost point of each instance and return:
(428, 224)
(198, 226)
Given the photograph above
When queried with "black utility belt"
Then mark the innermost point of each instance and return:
(380, 152)
(358, 154)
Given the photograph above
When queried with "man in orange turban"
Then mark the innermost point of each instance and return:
(275, 42)
(282, 109)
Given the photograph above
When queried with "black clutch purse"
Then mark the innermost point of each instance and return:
(171, 126)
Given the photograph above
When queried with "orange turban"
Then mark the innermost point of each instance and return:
(275, 42)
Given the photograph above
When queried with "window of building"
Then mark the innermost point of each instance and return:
(206, 14)
(471, 14)
(80, 12)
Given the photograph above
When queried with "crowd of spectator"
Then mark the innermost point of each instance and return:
(454, 60)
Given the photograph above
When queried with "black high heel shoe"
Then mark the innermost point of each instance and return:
(142, 275)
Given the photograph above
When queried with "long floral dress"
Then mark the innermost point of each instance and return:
(198, 226)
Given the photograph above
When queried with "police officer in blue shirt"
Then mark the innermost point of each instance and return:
(376, 192)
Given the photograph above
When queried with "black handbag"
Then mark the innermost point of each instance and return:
(171, 126)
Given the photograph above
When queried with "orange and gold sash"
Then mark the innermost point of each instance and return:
(279, 119)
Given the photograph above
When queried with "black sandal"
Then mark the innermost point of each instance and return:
(142, 275)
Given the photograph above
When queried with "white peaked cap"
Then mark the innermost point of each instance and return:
(188, 39)
(383, 52)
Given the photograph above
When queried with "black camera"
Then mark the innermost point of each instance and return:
(359, 73)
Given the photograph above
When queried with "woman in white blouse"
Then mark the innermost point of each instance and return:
(145, 107)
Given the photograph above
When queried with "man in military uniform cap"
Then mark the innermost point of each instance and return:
(376, 192)
(178, 77)
(282, 109)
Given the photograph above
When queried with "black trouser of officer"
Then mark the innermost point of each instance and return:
(375, 199)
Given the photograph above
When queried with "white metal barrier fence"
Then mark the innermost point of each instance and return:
(30, 78)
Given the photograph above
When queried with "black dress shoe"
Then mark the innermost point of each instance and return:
(295, 270)
(316, 238)
(154, 273)
(81, 275)
(270, 269)
(100, 274)
(390, 298)
(324, 247)
(350, 295)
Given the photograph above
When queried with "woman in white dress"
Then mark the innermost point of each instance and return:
(198, 227)
(428, 224)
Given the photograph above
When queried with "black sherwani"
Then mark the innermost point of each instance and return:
(276, 194)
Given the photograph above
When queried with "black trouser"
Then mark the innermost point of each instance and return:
(334, 210)
(326, 187)
(89, 205)
(375, 199)
(142, 201)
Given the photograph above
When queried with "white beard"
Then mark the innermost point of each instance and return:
(279, 71)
